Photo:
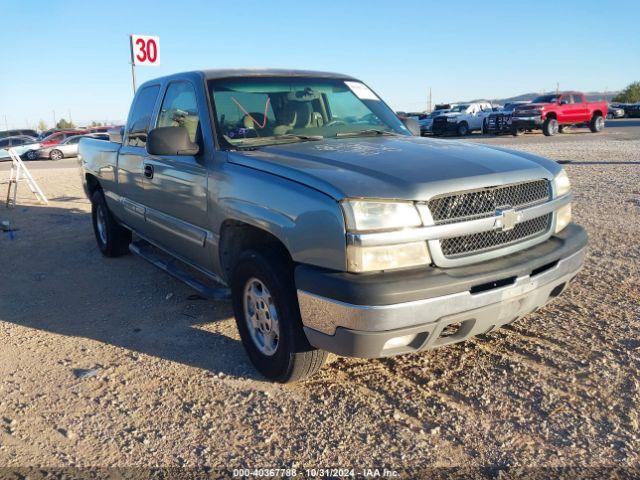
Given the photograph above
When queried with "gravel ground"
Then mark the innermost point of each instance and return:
(109, 362)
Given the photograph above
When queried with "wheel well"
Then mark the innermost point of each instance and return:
(236, 237)
(597, 113)
(92, 184)
(552, 115)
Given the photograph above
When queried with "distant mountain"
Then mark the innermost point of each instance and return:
(591, 96)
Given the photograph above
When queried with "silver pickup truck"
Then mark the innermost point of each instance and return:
(332, 227)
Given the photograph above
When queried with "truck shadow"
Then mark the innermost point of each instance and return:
(54, 279)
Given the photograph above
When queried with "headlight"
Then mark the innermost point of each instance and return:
(362, 215)
(375, 216)
(387, 257)
(561, 183)
(563, 217)
(452, 119)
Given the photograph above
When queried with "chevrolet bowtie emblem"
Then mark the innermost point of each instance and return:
(506, 219)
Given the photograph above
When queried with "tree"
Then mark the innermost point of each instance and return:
(96, 124)
(42, 126)
(64, 124)
(631, 94)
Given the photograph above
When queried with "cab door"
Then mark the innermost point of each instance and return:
(175, 186)
(130, 206)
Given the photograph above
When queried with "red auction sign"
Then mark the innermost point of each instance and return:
(145, 50)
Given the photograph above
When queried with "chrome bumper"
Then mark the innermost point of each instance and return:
(524, 295)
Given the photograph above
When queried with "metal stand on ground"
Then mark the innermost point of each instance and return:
(19, 173)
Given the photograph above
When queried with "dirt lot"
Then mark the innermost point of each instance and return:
(113, 363)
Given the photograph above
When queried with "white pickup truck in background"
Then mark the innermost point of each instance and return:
(462, 119)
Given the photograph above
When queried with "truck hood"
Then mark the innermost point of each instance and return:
(408, 168)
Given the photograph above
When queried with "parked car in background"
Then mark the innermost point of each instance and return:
(615, 112)
(499, 122)
(18, 133)
(21, 144)
(68, 147)
(462, 119)
(426, 123)
(550, 113)
(632, 110)
(58, 137)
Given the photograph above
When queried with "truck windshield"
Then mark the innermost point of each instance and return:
(546, 99)
(259, 111)
(460, 108)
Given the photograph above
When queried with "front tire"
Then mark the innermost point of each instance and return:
(113, 239)
(32, 155)
(596, 124)
(267, 314)
(56, 155)
(517, 132)
(463, 129)
(550, 127)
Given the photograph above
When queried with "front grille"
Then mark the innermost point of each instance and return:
(482, 203)
(485, 241)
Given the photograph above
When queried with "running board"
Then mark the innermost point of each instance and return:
(144, 250)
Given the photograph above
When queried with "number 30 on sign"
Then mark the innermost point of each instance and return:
(145, 50)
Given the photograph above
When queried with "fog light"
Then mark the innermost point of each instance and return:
(396, 342)
(563, 217)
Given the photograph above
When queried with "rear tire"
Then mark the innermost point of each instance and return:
(112, 238)
(56, 155)
(550, 127)
(463, 129)
(31, 155)
(289, 357)
(596, 124)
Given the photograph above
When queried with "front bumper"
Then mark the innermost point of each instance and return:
(357, 315)
(530, 123)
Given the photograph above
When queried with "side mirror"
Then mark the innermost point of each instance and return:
(412, 125)
(171, 141)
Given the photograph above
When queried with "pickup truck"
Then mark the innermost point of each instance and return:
(553, 112)
(462, 119)
(329, 224)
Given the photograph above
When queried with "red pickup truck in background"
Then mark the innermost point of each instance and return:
(554, 111)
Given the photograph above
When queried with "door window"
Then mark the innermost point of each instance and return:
(140, 116)
(180, 109)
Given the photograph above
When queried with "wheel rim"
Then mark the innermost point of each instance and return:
(31, 155)
(599, 123)
(101, 224)
(56, 155)
(261, 316)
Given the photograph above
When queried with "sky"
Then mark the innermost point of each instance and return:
(72, 57)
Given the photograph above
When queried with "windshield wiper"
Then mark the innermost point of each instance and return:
(368, 131)
(298, 136)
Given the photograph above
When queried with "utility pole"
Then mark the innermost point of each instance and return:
(6, 124)
(429, 106)
(54, 118)
(557, 88)
(70, 121)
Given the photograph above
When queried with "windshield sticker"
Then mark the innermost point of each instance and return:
(361, 91)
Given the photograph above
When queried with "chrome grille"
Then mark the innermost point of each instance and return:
(482, 203)
(484, 241)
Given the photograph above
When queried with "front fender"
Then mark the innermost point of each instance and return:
(308, 222)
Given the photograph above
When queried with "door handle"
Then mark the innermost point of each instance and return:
(148, 171)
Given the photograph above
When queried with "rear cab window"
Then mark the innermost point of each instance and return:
(140, 116)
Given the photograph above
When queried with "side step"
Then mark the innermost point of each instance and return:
(169, 265)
